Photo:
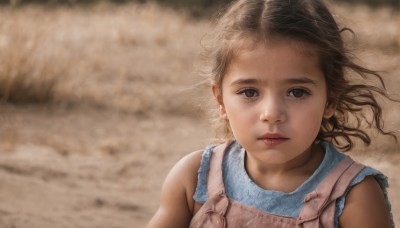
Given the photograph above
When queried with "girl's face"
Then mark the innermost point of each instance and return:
(274, 96)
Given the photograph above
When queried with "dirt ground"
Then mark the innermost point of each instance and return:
(123, 110)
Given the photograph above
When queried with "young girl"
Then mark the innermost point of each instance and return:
(281, 78)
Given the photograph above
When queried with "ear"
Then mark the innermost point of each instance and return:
(330, 109)
(218, 97)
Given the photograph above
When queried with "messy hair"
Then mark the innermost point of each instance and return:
(310, 22)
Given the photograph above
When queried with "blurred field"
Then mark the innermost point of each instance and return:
(99, 102)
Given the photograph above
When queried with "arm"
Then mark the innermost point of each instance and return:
(176, 206)
(365, 206)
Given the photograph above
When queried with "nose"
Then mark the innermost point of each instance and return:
(273, 111)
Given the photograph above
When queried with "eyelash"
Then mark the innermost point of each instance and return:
(304, 93)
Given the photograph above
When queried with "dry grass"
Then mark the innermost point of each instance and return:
(27, 75)
(129, 58)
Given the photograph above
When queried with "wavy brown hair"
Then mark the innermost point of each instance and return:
(311, 22)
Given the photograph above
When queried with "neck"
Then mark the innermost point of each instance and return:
(285, 177)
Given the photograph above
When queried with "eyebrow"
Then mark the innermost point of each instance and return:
(302, 80)
(250, 81)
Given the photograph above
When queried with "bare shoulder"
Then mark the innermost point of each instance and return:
(365, 206)
(185, 171)
(184, 174)
(176, 205)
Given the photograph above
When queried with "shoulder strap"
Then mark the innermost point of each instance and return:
(215, 184)
(319, 205)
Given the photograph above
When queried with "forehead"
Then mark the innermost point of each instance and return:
(250, 46)
(275, 59)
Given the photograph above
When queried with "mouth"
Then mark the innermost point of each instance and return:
(272, 139)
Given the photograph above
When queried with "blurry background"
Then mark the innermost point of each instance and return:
(98, 99)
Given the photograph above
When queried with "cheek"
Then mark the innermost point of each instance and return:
(312, 120)
(310, 115)
(239, 116)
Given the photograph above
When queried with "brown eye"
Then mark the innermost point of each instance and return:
(249, 93)
(298, 93)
